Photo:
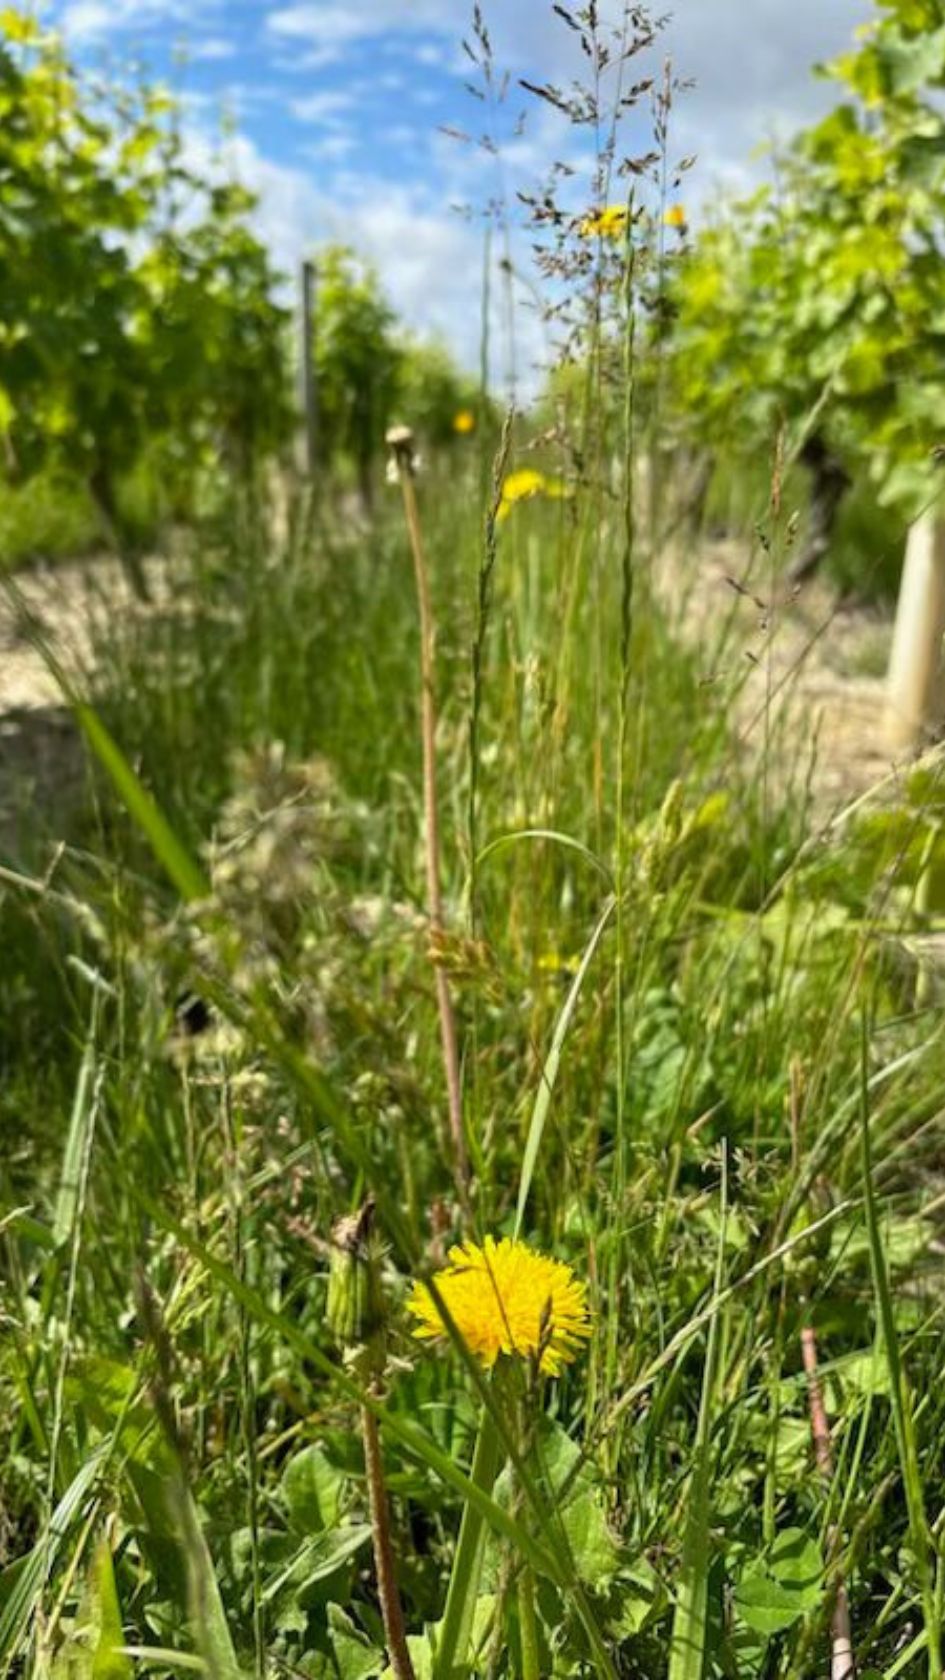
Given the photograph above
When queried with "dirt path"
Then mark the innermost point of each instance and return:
(64, 602)
(42, 766)
(809, 666)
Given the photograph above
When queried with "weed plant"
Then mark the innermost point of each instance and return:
(701, 1052)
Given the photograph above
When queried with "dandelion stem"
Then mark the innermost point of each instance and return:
(467, 1563)
(387, 1593)
(528, 1625)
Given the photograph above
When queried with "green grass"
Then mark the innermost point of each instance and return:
(50, 517)
(864, 560)
(219, 1025)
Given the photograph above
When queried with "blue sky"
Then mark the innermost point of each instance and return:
(338, 106)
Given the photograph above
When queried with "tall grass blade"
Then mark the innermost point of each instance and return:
(21, 1584)
(80, 1124)
(687, 1658)
(171, 853)
(207, 1615)
(467, 1563)
(900, 1396)
(549, 1072)
(109, 1659)
(567, 841)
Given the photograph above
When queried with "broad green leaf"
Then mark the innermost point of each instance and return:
(783, 1585)
(578, 1503)
(356, 1657)
(313, 1489)
(795, 1560)
(638, 1596)
(318, 1559)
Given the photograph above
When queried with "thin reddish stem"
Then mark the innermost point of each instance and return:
(448, 1036)
(842, 1666)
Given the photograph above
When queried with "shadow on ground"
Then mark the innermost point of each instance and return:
(43, 777)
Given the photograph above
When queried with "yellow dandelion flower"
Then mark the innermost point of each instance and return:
(521, 486)
(464, 422)
(675, 217)
(609, 223)
(550, 962)
(504, 1298)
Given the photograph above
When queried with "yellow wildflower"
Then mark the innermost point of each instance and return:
(610, 222)
(551, 963)
(464, 422)
(675, 217)
(521, 486)
(503, 1298)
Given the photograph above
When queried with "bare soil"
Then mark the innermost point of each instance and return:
(42, 762)
(808, 671)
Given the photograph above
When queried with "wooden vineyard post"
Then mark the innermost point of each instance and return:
(308, 390)
(915, 689)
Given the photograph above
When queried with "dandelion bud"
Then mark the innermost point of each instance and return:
(355, 1310)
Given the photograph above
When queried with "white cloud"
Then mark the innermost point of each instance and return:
(327, 108)
(214, 49)
(326, 22)
(95, 20)
(750, 59)
(400, 136)
(315, 58)
(332, 148)
(430, 54)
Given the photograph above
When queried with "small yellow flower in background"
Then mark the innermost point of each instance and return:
(552, 963)
(675, 217)
(504, 1298)
(610, 223)
(521, 486)
(464, 422)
